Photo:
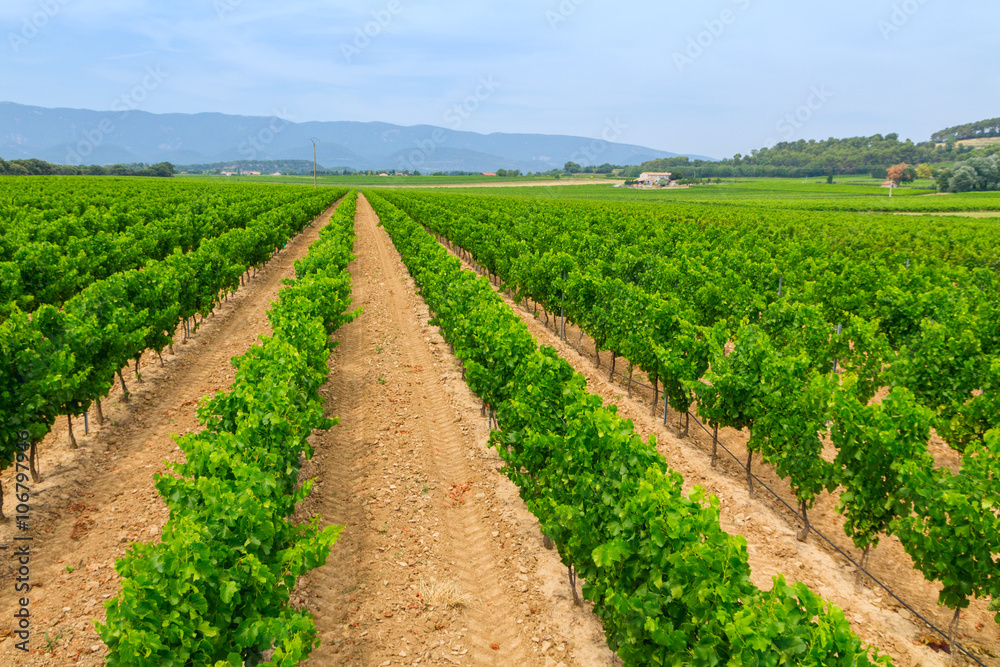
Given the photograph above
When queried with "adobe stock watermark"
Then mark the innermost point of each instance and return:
(706, 39)
(123, 106)
(364, 35)
(22, 555)
(225, 7)
(276, 124)
(454, 117)
(462, 111)
(901, 15)
(589, 155)
(795, 120)
(563, 12)
(33, 24)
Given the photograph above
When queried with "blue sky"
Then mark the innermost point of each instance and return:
(712, 78)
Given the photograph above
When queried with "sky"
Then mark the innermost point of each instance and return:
(712, 78)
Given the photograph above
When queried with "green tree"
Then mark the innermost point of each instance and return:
(963, 179)
(943, 180)
(987, 171)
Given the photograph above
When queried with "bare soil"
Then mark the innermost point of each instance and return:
(984, 142)
(440, 562)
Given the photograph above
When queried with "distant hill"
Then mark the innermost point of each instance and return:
(74, 136)
(984, 129)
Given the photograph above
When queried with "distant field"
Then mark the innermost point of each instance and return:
(978, 143)
(380, 181)
(856, 194)
(981, 143)
(747, 189)
(763, 194)
(408, 181)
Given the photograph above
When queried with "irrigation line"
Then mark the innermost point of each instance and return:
(799, 517)
(841, 551)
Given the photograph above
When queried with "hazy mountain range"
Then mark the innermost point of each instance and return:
(77, 136)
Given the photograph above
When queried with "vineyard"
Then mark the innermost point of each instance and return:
(92, 285)
(849, 352)
(785, 330)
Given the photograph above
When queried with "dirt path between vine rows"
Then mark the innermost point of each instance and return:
(770, 528)
(93, 502)
(440, 562)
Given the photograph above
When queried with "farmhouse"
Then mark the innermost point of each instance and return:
(654, 178)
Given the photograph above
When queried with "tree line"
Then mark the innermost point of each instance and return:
(855, 155)
(34, 167)
(981, 130)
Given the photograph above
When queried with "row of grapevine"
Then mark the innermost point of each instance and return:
(51, 248)
(777, 382)
(670, 585)
(57, 362)
(215, 590)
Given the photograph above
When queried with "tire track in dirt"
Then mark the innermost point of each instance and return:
(474, 557)
(94, 501)
(439, 562)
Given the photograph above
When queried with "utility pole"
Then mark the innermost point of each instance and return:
(315, 181)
